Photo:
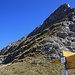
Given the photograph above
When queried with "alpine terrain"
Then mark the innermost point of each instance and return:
(31, 55)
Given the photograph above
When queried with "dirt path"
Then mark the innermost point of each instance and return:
(2, 66)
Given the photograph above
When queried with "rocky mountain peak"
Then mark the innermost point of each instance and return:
(64, 12)
(65, 6)
(57, 33)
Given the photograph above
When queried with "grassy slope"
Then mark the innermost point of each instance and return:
(36, 65)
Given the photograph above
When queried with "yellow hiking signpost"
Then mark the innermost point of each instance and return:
(68, 59)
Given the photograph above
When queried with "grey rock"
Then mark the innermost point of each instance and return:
(73, 40)
(73, 18)
(71, 34)
(72, 27)
(62, 35)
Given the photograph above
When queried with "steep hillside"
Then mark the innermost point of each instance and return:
(57, 33)
(36, 65)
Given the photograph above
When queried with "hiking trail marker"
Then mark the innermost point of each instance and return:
(68, 59)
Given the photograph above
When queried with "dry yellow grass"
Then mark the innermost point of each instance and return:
(36, 65)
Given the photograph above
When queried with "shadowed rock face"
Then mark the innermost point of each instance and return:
(64, 11)
(57, 33)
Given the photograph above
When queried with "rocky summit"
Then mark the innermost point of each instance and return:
(57, 33)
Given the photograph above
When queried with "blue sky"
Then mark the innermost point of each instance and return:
(19, 17)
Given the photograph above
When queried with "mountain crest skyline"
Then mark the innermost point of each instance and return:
(57, 33)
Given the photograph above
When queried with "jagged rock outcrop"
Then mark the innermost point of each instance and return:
(64, 12)
(57, 33)
(11, 47)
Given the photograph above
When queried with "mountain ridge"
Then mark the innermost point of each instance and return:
(57, 33)
(63, 10)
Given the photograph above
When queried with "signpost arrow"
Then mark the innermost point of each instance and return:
(66, 53)
(70, 62)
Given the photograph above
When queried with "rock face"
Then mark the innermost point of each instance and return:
(57, 33)
(64, 12)
(11, 47)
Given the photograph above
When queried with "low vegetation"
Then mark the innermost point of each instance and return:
(39, 64)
